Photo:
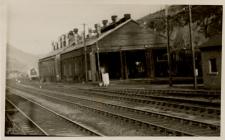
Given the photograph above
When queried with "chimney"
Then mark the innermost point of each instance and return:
(127, 16)
(53, 46)
(56, 45)
(97, 29)
(104, 22)
(71, 38)
(114, 18)
(70, 33)
(64, 36)
(60, 41)
(75, 30)
(90, 32)
(64, 40)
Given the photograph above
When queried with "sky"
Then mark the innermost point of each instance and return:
(34, 24)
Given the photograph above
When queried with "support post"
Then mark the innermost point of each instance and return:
(121, 65)
(152, 64)
(98, 62)
(85, 56)
(192, 47)
(125, 66)
(93, 65)
(98, 29)
(168, 47)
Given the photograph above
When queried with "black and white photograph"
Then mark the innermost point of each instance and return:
(78, 68)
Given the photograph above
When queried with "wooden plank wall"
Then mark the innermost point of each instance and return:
(130, 37)
(47, 70)
(73, 68)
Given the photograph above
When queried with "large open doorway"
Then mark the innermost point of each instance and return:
(125, 64)
(110, 63)
(136, 64)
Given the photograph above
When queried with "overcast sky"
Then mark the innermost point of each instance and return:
(33, 24)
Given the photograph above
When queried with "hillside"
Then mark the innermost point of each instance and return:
(206, 23)
(18, 60)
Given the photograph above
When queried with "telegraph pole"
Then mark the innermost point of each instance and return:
(168, 46)
(98, 60)
(85, 56)
(192, 46)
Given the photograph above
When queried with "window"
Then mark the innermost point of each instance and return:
(212, 65)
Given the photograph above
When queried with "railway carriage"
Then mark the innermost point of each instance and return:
(33, 74)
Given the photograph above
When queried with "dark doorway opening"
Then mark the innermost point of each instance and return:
(136, 64)
(110, 63)
(161, 63)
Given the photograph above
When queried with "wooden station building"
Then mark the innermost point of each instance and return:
(122, 48)
(211, 52)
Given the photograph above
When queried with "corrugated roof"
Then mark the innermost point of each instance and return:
(94, 40)
(212, 42)
(88, 42)
(52, 53)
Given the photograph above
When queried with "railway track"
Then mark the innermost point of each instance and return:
(23, 123)
(182, 105)
(177, 92)
(50, 122)
(165, 124)
(207, 98)
(201, 109)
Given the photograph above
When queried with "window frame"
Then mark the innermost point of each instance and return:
(210, 66)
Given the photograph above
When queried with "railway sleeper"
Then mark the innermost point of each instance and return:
(121, 118)
(101, 112)
(156, 93)
(149, 102)
(193, 123)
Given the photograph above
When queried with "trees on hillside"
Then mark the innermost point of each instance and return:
(207, 17)
(206, 22)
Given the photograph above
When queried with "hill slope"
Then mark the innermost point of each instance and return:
(206, 23)
(18, 60)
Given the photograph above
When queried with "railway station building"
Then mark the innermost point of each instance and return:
(211, 62)
(122, 48)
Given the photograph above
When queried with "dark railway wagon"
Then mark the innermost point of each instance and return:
(33, 74)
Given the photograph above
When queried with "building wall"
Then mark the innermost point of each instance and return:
(73, 66)
(58, 67)
(47, 70)
(210, 80)
(132, 37)
(92, 73)
(129, 37)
